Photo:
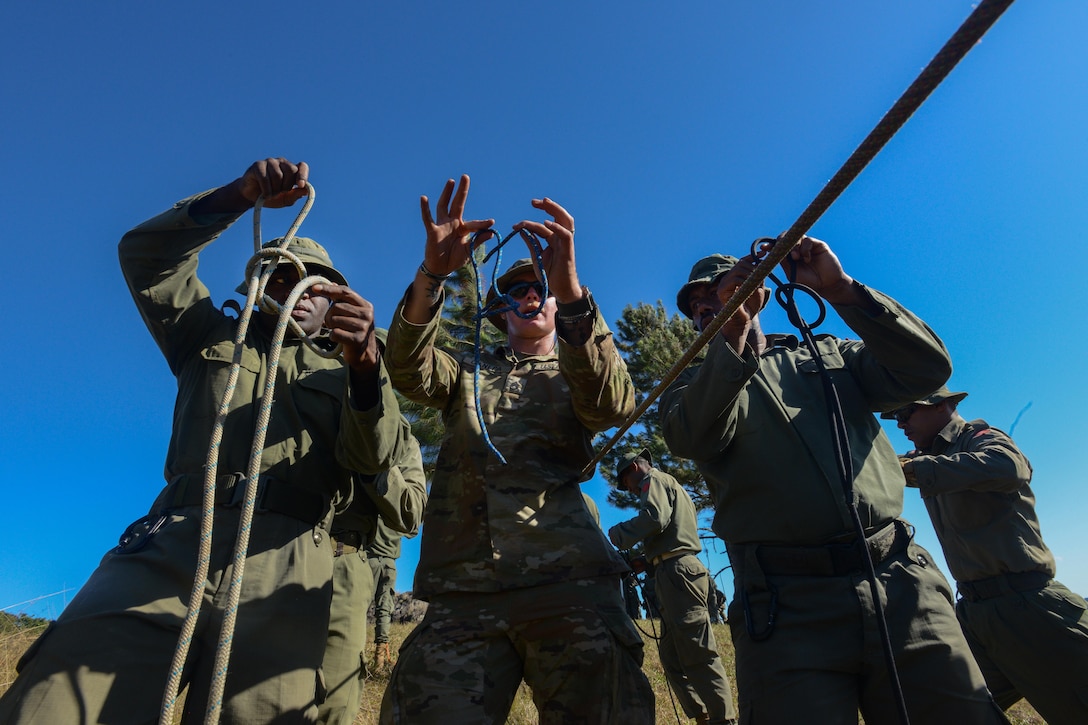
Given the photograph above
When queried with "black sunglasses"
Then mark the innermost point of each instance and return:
(521, 289)
(903, 414)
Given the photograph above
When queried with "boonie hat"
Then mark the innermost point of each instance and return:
(630, 458)
(515, 270)
(312, 254)
(935, 398)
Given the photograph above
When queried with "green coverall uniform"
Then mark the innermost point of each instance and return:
(1029, 633)
(668, 528)
(520, 580)
(802, 618)
(397, 496)
(106, 658)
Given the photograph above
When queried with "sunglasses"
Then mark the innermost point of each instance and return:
(903, 414)
(521, 289)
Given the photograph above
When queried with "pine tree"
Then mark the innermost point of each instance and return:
(650, 342)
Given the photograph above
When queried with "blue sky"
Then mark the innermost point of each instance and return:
(669, 131)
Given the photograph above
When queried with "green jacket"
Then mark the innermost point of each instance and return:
(757, 427)
(387, 506)
(974, 482)
(489, 526)
(667, 522)
(315, 437)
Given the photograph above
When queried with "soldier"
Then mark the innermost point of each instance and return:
(667, 526)
(520, 580)
(384, 509)
(754, 418)
(106, 658)
(382, 555)
(1029, 633)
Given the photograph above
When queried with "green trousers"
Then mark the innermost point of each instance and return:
(689, 654)
(384, 569)
(106, 658)
(572, 642)
(343, 667)
(1033, 644)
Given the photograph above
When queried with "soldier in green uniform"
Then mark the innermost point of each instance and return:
(382, 555)
(668, 528)
(520, 580)
(385, 508)
(754, 418)
(106, 658)
(1029, 633)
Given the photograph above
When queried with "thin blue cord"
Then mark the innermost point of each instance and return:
(502, 304)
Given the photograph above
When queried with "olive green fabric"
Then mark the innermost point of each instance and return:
(705, 271)
(630, 458)
(310, 253)
(975, 483)
(572, 642)
(757, 428)
(382, 508)
(106, 658)
(667, 524)
(939, 396)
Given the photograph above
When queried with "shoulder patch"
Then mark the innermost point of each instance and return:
(982, 432)
(646, 485)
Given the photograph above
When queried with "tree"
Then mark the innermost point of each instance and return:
(650, 342)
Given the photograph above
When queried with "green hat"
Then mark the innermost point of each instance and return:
(312, 254)
(935, 398)
(515, 270)
(705, 271)
(630, 458)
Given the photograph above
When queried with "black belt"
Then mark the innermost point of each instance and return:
(830, 559)
(272, 495)
(346, 542)
(995, 586)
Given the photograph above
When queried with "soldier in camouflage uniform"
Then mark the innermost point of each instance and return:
(384, 508)
(520, 580)
(754, 417)
(106, 658)
(382, 555)
(668, 529)
(1029, 633)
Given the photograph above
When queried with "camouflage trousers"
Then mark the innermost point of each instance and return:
(343, 669)
(572, 642)
(1033, 644)
(384, 569)
(107, 657)
(689, 654)
(809, 649)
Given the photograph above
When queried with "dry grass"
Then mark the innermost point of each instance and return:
(14, 643)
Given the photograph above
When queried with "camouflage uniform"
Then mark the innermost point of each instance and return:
(808, 648)
(520, 579)
(1029, 633)
(107, 656)
(668, 529)
(398, 497)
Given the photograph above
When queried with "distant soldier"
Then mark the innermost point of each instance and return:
(382, 555)
(715, 602)
(522, 583)
(667, 528)
(1028, 632)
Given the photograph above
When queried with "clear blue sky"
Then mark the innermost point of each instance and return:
(669, 130)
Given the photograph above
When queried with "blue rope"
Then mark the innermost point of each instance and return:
(502, 304)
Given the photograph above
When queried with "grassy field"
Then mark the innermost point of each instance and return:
(15, 640)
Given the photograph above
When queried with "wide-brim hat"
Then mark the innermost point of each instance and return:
(502, 284)
(935, 398)
(312, 254)
(706, 271)
(630, 458)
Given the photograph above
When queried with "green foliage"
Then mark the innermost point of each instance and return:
(651, 342)
(457, 333)
(11, 623)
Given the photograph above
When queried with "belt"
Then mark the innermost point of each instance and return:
(830, 559)
(670, 555)
(346, 542)
(995, 586)
(272, 495)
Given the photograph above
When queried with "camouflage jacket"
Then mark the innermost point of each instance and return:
(974, 482)
(315, 437)
(489, 526)
(757, 426)
(667, 521)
